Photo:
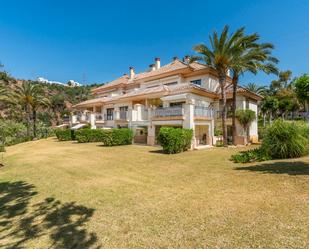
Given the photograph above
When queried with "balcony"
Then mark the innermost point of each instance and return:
(165, 112)
(203, 112)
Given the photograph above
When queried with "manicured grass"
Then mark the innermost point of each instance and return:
(68, 195)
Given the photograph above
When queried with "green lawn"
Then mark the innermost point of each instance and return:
(68, 195)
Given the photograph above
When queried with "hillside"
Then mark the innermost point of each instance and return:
(61, 99)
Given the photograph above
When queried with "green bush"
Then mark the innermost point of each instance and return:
(89, 135)
(175, 140)
(255, 155)
(282, 139)
(116, 137)
(286, 140)
(65, 134)
(13, 132)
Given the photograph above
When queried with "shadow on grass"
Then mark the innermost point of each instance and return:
(290, 168)
(21, 221)
(159, 151)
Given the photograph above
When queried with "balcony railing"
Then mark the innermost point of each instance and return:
(200, 111)
(168, 111)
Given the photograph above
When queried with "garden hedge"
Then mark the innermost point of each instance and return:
(89, 135)
(175, 140)
(65, 134)
(116, 137)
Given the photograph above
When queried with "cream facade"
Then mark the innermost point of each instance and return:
(179, 94)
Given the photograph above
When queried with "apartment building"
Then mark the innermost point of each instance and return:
(178, 94)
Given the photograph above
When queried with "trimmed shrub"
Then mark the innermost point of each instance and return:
(65, 134)
(89, 135)
(175, 140)
(116, 137)
(286, 140)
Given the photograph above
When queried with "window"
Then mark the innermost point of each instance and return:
(123, 112)
(110, 113)
(171, 83)
(197, 82)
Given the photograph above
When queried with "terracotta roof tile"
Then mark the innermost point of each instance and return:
(173, 66)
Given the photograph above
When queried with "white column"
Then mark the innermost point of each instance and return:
(74, 119)
(189, 119)
(130, 116)
(138, 108)
(151, 134)
(151, 129)
(92, 121)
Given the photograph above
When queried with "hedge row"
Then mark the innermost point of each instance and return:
(89, 135)
(115, 137)
(110, 137)
(175, 140)
(65, 134)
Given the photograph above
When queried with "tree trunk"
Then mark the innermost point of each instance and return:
(264, 119)
(248, 133)
(306, 106)
(223, 113)
(234, 82)
(34, 123)
(28, 114)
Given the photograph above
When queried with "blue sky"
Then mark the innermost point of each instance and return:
(96, 41)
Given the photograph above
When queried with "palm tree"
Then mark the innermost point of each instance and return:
(253, 57)
(30, 97)
(220, 56)
(261, 90)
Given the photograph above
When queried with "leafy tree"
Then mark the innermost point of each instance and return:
(287, 101)
(245, 118)
(219, 55)
(301, 85)
(282, 82)
(270, 105)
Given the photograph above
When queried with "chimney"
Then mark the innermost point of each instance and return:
(187, 59)
(152, 67)
(175, 58)
(132, 73)
(157, 63)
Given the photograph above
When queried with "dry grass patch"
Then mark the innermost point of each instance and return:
(69, 195)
